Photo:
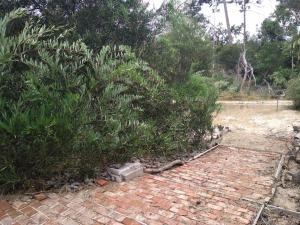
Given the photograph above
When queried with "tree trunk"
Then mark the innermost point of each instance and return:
(247, 68)
(292, 54)
(243, 63)
(230, 39)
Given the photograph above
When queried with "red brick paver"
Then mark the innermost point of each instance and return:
(211, 190)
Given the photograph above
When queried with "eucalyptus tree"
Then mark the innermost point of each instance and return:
(97, 22)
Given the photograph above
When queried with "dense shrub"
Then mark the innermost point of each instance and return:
(59, 108)
(281, 77)
(200, 96)
(293, 91)
(65, 108)
(228, 56)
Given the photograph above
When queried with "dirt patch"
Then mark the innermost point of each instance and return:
(271, 218)
(260, 118)
(288, 194)
(253, 141)
(287, 198)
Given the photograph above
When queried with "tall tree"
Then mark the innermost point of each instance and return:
(182, 50)
(245, 69)
(230, 38)
(97, 22)
(271, 31)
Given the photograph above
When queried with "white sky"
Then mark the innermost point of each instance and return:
(255, 15)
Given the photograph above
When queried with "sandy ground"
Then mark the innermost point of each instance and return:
(258, 117)
(257, 125)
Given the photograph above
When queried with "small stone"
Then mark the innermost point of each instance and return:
(296, 142)
(217, 133)
(297, 158)
(116, 166)
(220, 127)
(297, 136)
(88, 181)
(101, 182)
(40, 196)
(296, 126)
(25, 198)
(207, 137)
(74, 186)
(51, 183)
(296, 178)
(136, 160)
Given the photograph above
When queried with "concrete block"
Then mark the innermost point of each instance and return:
(124, 169)
(133, 174)
(126, 172)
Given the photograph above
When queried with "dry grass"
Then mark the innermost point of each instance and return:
(244, 96)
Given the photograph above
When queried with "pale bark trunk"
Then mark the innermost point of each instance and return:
(230, 39)
(248, 69)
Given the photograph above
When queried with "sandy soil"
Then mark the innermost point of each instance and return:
(257, 125)
(270, 218)
(258, 117)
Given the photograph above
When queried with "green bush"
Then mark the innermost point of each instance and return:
(202, 96)
(60, 108)
(281, 77)
(293, 91)
(66, 109)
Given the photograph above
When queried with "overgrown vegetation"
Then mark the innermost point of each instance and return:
(293, 91)
(85, 83)
(67, 108)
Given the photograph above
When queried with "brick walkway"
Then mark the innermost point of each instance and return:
(214, 189)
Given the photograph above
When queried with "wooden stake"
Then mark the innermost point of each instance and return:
(203, 153)
(279, 168)
(286, 211)
(163, 168)
(259, 214)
